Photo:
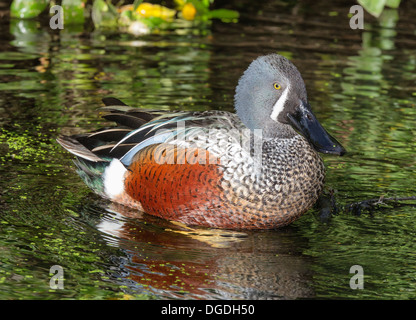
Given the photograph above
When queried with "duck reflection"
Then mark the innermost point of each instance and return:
(171, 260)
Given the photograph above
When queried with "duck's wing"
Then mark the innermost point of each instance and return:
(138, 128)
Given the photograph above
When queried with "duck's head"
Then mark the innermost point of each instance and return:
(271, 96)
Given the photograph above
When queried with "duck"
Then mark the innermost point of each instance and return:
(256, 168)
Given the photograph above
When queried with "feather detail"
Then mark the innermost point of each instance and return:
(125, 119)
(140, 128)
(76, 148)
(156, 139)
(108, 101)
(109, 135)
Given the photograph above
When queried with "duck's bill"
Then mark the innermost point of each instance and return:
(304, 121)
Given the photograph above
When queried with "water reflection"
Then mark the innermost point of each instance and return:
(360, 84)
(29, 37)
(364, 76)
(175, 261)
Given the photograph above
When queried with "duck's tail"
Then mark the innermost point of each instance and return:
(90, 167)
(98, 153)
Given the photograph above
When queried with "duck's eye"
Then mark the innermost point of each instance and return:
(276, 86)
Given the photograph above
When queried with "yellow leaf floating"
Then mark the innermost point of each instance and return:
(188, 11)
(147, 10)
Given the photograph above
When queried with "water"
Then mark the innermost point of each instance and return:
(361, 85)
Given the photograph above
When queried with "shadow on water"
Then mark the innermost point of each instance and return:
(360, 84)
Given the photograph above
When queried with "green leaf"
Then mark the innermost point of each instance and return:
(136, 4)
(393, 3)
(26, 9)
(112, 8)
(223, 14)
(201, 7)
(373, 7)
(152, 22)
(73, 11)
(103, 14)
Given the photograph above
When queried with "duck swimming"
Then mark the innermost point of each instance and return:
(258, 168)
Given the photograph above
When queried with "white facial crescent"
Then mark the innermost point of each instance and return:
(280, 104)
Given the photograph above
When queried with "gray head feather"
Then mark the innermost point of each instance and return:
(255, 95)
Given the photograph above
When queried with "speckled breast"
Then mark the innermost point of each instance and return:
(225, 192)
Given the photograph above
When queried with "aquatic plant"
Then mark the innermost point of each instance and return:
(138, 17)
(376, 7)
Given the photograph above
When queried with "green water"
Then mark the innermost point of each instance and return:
(361, 85)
